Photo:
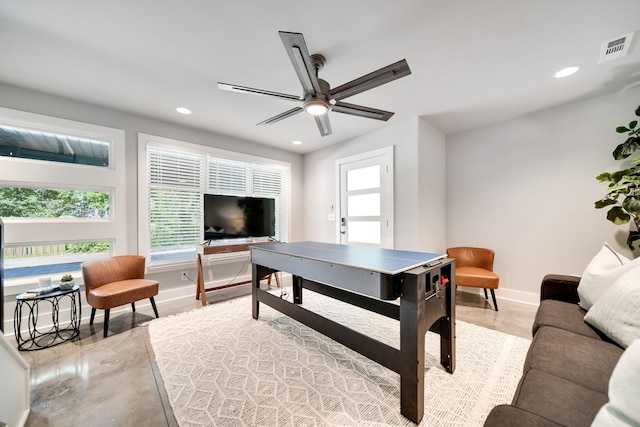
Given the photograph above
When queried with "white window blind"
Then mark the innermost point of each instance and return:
(175, 203)
(228, 177)
(273, 182)
(178, 178)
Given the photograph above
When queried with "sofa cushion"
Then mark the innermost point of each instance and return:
(624, 389)
(509, 416)
(605, 267)
(617, 312)
(557, 399)
(585, 361)
(563, 315)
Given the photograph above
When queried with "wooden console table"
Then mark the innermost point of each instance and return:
(217, 248)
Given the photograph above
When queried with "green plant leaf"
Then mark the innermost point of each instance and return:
(618, 216)
(631, 204)
(633, 236)
(638, 111)
(627, 148)
(622, 129)
(633, 124)
(604, 176)
(605, 202)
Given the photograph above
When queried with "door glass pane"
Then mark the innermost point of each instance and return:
(364, 232)
(364, 205)
(360, 179)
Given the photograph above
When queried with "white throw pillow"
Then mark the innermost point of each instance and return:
(624, 388)
(617, 313)
(600, 273)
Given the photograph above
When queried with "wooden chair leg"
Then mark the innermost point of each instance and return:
(93, 315)
(106, 323)
(133, 306)
(485, 293)
(153, 304)
(493, 296)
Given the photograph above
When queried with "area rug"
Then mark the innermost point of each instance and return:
(221, 367)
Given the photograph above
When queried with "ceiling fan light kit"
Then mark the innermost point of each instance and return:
(318, 98)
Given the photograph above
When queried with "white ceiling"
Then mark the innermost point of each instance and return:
(473, 62)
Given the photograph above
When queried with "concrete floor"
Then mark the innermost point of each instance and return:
(115, 381)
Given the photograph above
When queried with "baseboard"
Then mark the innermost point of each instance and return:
(529, 298)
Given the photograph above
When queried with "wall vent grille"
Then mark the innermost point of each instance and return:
(616, 48)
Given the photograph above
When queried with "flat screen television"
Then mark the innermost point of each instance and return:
(237, 217)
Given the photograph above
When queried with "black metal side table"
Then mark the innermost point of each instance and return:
(37, 339)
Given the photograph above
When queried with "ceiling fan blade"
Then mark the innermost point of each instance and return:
(360, 111)
(324, 125)
(301, 60)
(245, 89)
(371, 80)
(281, 116)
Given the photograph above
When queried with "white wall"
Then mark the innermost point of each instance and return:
(526, 188)
(414, 142)
(170, 284)
(432, 194)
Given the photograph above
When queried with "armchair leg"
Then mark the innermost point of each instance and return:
(93, 315)
(106, 323)
(133, 307)
(485, 293)
(493, 296)
(153, 304)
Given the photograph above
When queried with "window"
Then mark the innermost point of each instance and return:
(61, 194)
(174, 175)
(55, 147)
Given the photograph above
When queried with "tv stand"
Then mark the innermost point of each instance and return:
(212, 247)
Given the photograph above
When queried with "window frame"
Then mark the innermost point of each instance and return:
(20, 172)
(146, 140)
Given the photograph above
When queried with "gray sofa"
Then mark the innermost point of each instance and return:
(568, 366)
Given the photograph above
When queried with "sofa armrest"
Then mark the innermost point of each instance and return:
(509, 416)
(560, 287)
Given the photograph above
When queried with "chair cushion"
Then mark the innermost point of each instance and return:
(476, 277)
(563, 315)
(122, 292)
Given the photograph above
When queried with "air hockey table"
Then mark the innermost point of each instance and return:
(373, 279)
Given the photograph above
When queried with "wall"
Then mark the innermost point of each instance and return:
(526, 188)
(414, 143)
(170, 284)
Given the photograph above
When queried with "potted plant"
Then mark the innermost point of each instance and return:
(66, 282)
(623, 194)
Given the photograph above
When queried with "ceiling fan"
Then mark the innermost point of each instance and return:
(318, 98)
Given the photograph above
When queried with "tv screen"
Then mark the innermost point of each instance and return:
(234, 217)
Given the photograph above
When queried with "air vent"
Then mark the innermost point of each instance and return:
(616, 48)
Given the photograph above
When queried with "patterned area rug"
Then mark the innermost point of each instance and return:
(221, 367)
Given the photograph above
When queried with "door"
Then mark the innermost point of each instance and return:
(366, 199)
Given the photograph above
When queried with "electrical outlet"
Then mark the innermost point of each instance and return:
(184, 276)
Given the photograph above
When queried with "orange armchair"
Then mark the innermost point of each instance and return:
(116, 281)
(474, 268)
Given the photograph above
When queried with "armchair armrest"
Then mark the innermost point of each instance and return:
(560, 287)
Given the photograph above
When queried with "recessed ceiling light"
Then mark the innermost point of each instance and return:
(296, 142)
(565, 72)
(183, 110)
